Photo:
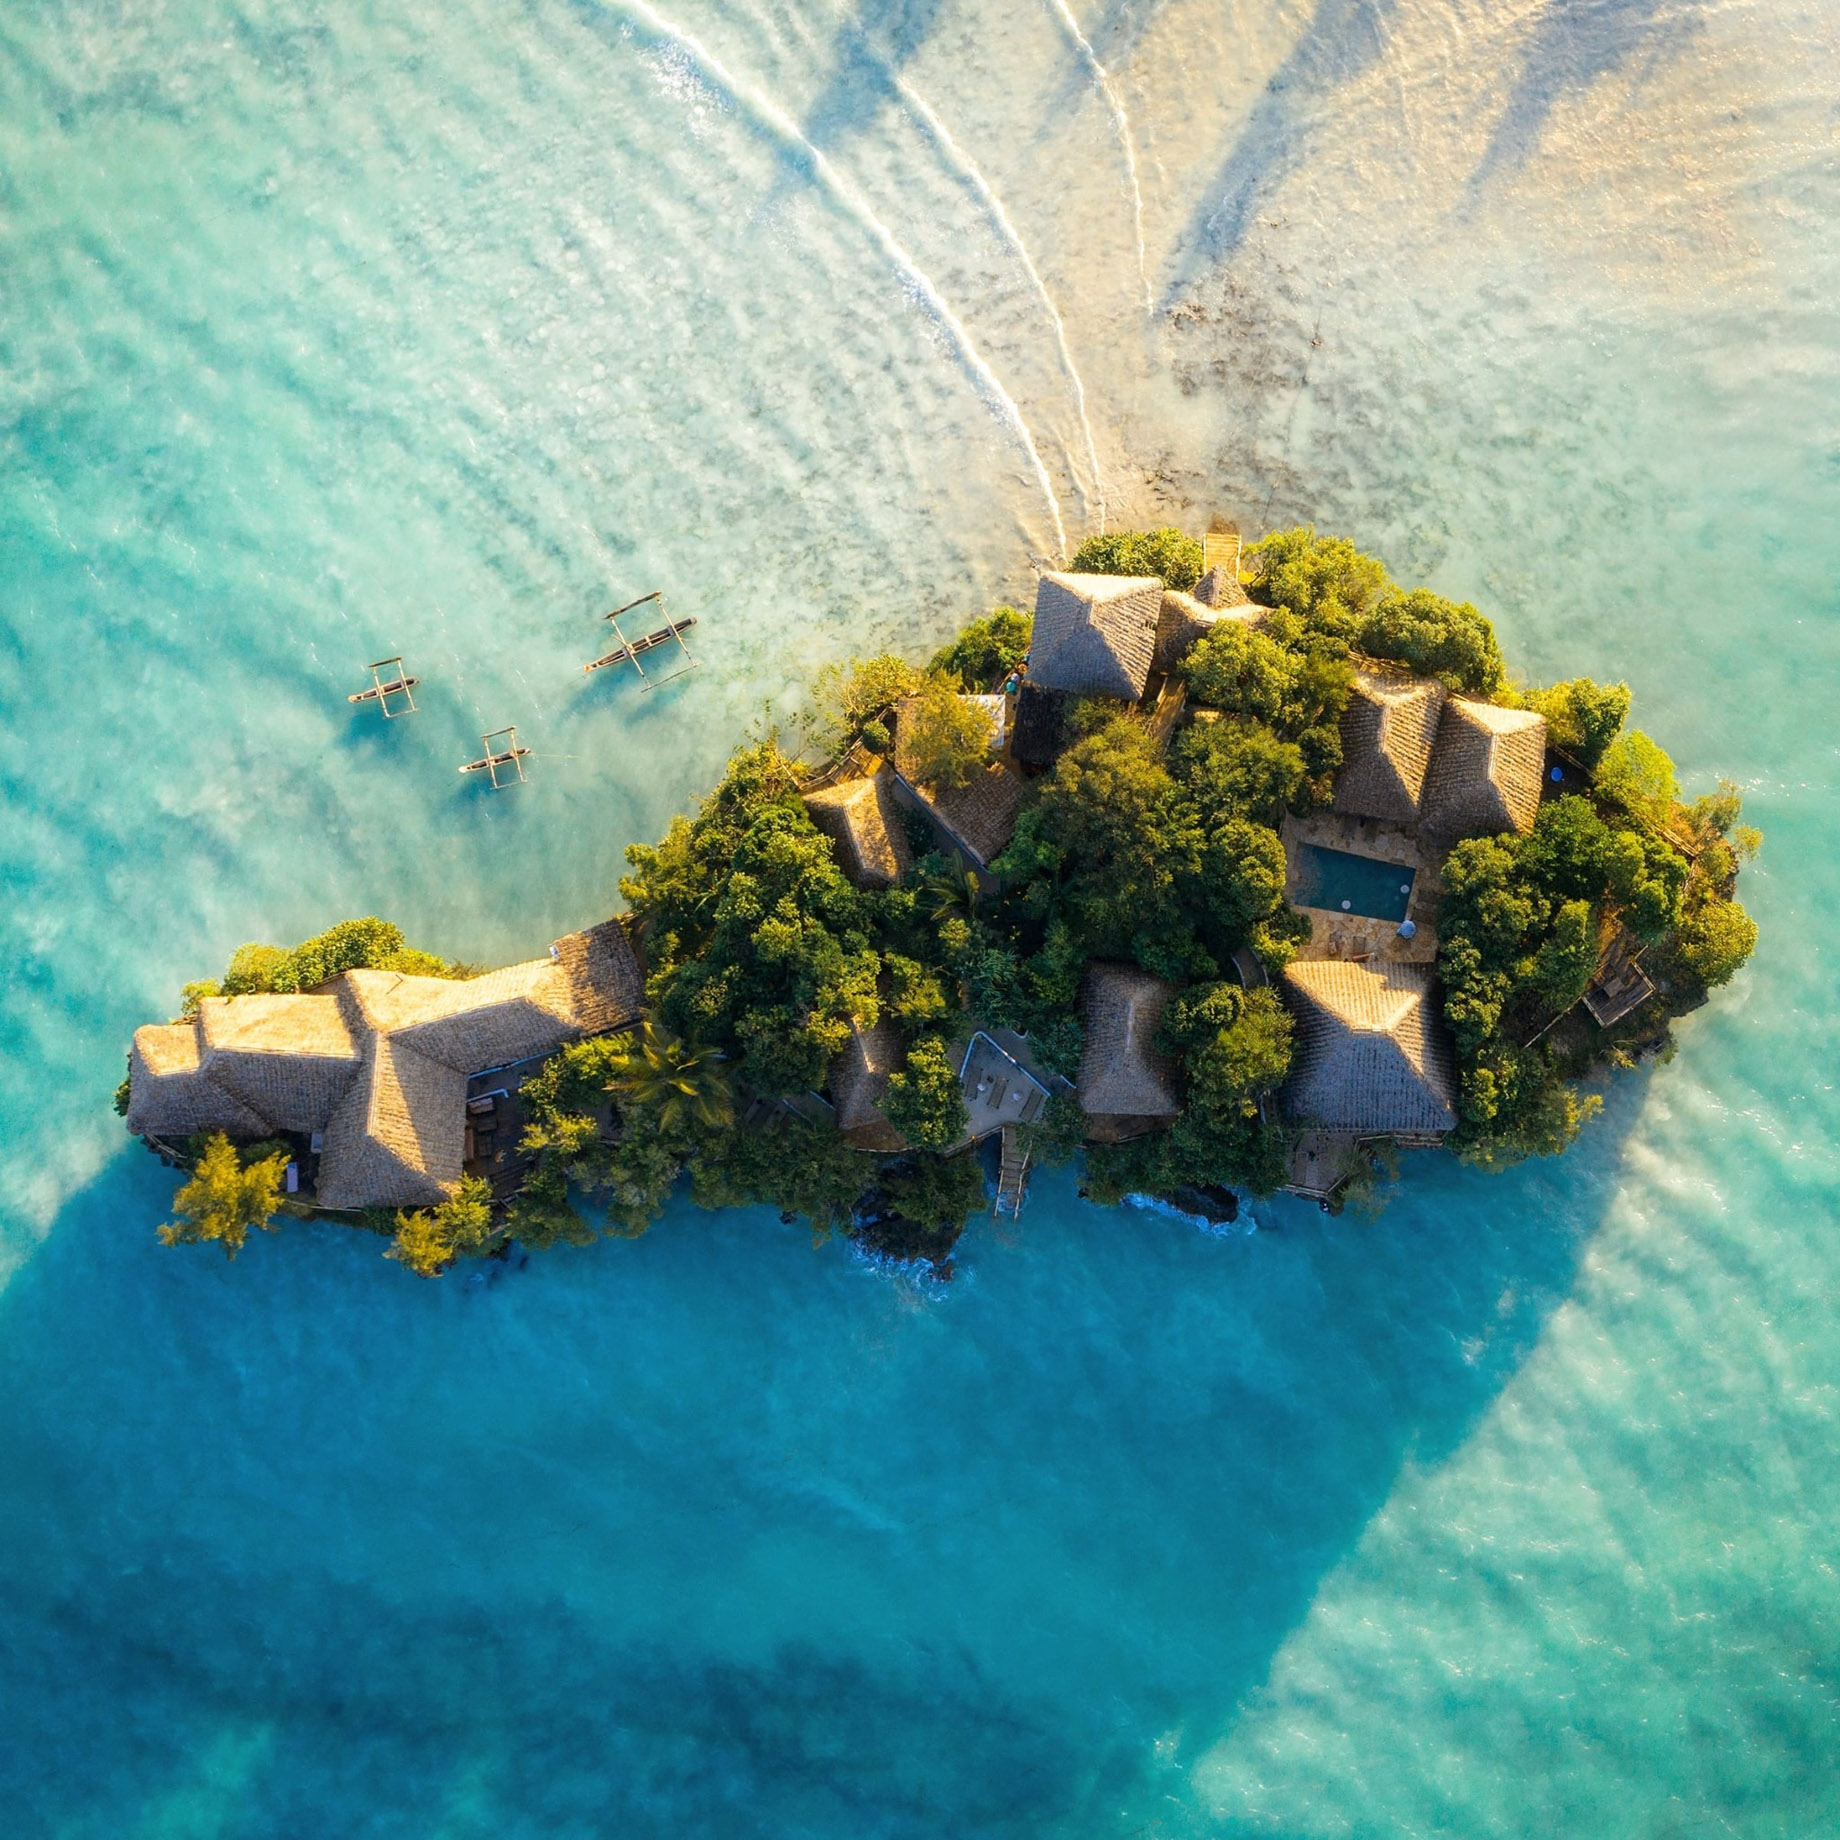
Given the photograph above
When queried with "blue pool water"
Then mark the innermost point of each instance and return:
(1344, 882)
(331, 332)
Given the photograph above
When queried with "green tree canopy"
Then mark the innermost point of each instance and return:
(1583, 717)
(223, 1199)
(1234, 1045)
(985, 653)
(757, 943)
(1715, 939)
(945, 738)
(925, 1101)
(428, 1240)
(1639, 776)
(1435, 638)
(1165, 553)
(1324, 581)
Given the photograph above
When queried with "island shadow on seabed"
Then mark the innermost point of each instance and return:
(186, 1480)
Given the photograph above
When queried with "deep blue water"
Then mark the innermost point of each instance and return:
(333, 332)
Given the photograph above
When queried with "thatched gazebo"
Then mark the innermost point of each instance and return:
(859, 1082)
(1095, 635)
(1371, 1058)
(864, 825)
(1388, 732)
(375, 1064)
(1127, 1087)
(1485, 770)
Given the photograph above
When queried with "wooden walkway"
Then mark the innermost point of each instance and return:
(1012, 1176)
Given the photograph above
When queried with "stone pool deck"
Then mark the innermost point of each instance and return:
(1334, 934)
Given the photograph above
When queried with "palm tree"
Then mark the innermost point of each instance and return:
(947, 893)
(679, 1083)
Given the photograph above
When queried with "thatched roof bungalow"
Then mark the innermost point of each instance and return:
(376, 1064)
(859, 1082)
(1484, 776)
(1095, 635)
(1127, 1087)
(863, 822)
(1371, 1056)
(1388, 732)
(977, 818)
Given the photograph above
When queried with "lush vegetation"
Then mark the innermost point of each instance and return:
(762, 958)
(352, 945)
(1166, 553)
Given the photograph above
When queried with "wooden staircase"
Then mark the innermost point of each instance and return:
(1012, 1175)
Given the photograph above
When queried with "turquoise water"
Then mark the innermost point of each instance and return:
(1357, 884)
(327, 333)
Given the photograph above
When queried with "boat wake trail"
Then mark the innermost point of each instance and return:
(768, 114)
(1121, 122)
(968, 170)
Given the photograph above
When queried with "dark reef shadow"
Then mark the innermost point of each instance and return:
(1211, 1424)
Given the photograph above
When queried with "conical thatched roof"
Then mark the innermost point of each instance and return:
(1121, 1074)
(1371, 1055)
(1095, 635)
(376, 1061)
(1388, 731)
(859, 1081)
(1485, 771)
(1220, 587)
(864, 825)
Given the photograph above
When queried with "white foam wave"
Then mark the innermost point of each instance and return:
(765, 111)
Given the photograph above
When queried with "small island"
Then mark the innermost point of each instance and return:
(1227, 872)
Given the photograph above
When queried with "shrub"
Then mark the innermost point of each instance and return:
(1166, 553)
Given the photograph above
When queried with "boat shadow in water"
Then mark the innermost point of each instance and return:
(707, 1532)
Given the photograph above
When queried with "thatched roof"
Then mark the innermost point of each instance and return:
(1121, 1073)
(859, 1080)
(169, 1093)
(1183, 619)
(1371, 1056)
(606, 986)
(289, 1059)
(398, 1138)
(1388, 730)
(1095, 635)
(1220, 587)
(1485, 771)
(1040, 731)
(979, 816)
(376, 1061)
(862, 821)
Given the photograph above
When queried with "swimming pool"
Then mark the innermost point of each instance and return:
(1338, 880)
